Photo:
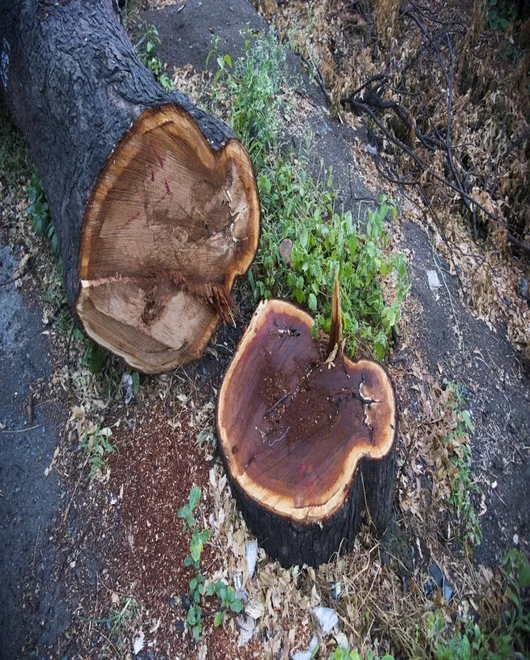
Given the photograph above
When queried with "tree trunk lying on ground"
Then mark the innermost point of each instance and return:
(308, 440)
(154, 202)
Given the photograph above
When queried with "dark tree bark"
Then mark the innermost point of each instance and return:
(154, 203)
(308, 439)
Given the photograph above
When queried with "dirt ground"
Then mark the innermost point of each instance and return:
(30, 426)
(78, 551)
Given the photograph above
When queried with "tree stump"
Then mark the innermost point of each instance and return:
(154, 202)
(308, 438)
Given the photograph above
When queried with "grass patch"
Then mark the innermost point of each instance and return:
(252, 91)
(306, 238)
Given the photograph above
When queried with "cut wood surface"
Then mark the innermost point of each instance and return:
(154, 202)
(308, 438)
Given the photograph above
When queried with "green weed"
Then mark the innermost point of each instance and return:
(106, 368)
(14, 160)
(459, 456)
(146, 51)
(252, 91)
(227, 598)
(117, 625)
(509, 637)
(198, 588)
(300, 214)
(135, 383)
(97, 446)
(306, 239)
(94, 357)
(500, 15)
(39, 211)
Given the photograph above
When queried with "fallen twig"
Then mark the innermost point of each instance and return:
(30, 428)
(26, 270)
(319, 78)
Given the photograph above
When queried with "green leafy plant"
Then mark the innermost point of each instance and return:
(197, 585)
(13, 155)
(135, 383)
(508, 637)
(500, 14)
(146, 50)
(97, 446)
(300, 212)
(251, 90)
(459, 457)
(94, 357)
(227, 598)
(516, 614)
(39, 211)
(186, 512)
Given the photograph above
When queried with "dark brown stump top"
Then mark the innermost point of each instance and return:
(293, 427)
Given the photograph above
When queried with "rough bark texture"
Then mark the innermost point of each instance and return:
(293, 543)
(308, 438)
(83, 100)
(379, 479)
(74, 87)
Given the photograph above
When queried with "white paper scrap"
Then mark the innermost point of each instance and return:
(251, 553)
(327, 618)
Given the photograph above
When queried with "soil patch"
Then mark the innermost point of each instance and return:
(461, 349)
(32, 614)
(127, 522)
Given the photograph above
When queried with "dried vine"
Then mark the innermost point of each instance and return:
(417, 137)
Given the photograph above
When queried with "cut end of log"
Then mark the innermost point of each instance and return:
(294, 429)
(171, 223)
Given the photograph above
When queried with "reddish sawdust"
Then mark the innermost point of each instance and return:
(131, 525)
(151, 476)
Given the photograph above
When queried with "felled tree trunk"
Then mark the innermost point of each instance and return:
(154, 202)
(308, 440)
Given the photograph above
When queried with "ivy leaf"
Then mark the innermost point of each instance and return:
(218, 619)
(220, 589)
(467, 421)
(194, 497)
(135, 383)
(524, 575)
(210, 589)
